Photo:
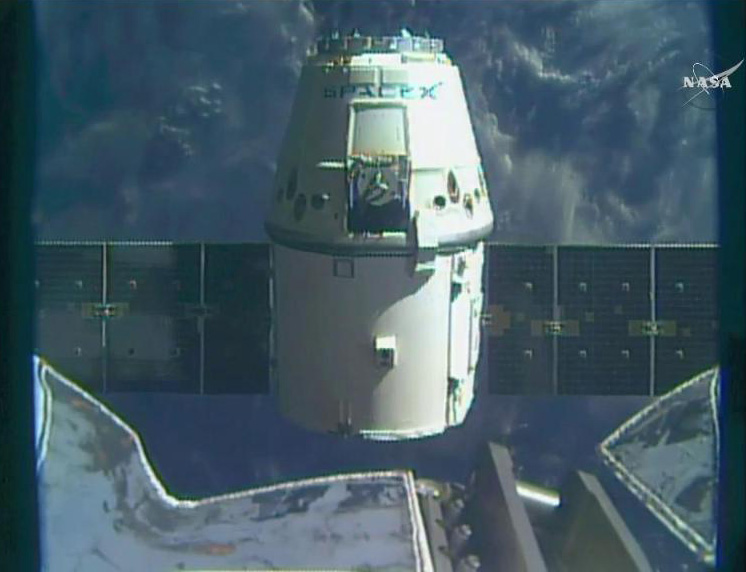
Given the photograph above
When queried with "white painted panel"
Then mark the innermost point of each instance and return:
(379, 131)
(105, 508)
(458, 355)
(368, 75)
(325, 330)
(395, 75)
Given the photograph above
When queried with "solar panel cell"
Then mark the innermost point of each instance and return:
(68, 284)
(154, 344)
(602, 290)
(687, 297)
(237, 335)
(520, 302)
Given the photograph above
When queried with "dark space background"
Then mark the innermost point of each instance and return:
(162, 120)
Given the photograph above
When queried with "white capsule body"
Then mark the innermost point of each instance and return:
(378, 218)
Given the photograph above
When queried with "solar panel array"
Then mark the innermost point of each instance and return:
(195, 318)
(190, 318)
(616, 320)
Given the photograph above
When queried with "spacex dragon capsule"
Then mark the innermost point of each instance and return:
(378, 220)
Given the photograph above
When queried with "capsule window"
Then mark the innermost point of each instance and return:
(319, 200)
(482, 182)
(454, 193)
(299, 207)
(292, 185)
(439, 202)
(469, 204)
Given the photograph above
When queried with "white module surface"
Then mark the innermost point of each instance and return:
(380, 210)
(667, 455)
(103, 508)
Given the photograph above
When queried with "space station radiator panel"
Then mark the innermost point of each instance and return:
(186, 318)
(599, 320)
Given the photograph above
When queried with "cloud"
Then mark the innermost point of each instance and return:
(583, 132)
(165, 120)
(575, 107)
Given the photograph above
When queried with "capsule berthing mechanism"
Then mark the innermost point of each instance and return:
(379, 214)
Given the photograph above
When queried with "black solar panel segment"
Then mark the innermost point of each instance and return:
(154, 344)
(599, 320)
(686, 297)
(600, 291)
(237, 331)
(68, 289)
(519, 354)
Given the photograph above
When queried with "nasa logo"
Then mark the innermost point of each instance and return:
(385, 90)
(704, 82)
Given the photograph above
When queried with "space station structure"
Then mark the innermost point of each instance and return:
(93, 475)
(378, 217)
